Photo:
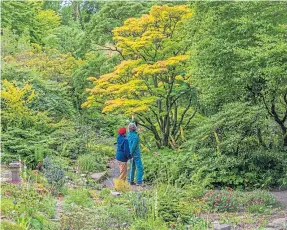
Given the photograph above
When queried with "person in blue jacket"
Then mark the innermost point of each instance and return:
(123, 153)
(136, 162)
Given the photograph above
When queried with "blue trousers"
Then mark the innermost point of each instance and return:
(136, 164)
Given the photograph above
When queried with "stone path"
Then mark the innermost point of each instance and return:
(114, 172)
(281, 196)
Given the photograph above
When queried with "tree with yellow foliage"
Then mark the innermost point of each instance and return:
(151, 81)
(15, 100)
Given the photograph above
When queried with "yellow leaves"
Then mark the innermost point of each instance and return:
(160, 66)
(179, 78)
(146, 69)
(125, 66)
(133, 86)
(128, 106)
(92, 79)
(15, 98)
(48, 19)
(145, 32)
(49, 62)
(150, 69)
(166, 12)
(173, 60)
(130, 80)
(133, 26)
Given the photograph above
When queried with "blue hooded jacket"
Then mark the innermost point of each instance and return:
(134, 144)
(123, 150)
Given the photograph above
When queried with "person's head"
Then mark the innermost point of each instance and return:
(122, 131)
(132, 127)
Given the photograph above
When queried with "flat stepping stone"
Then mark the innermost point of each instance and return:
(281, 197)
(279, 223)
(98, 176)
(217, 226)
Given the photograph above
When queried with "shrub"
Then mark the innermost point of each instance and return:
(258, 208)
(23, 204)
(237, 148)
(149, 224)
(230, 201)
(103, 150)
(78, 218)
(223, 200)
(11, 226)
(48, 206)
(54, 174)
(92, 163)
(121, 185)
(259, 197)
(245, 171)
(118, 216)
(78, 197)
(173, 205)
(166, 167)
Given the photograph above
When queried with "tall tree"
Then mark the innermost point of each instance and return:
(99, 35)
(151, 81)
(239, 55)
(20, 16)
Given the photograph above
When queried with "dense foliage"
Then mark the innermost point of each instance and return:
(206, 81)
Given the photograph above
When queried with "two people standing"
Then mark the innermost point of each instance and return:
(129, 149)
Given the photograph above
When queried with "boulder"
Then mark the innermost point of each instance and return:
(115, 193)
(222, 227)
(98, 176)
(278, 223)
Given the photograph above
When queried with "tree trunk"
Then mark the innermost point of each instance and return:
(285, 139)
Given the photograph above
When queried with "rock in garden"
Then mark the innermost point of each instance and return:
(115, 193)
(222, 227)
(278, 223)
(98, 176)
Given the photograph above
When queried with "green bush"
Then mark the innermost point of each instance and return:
(78, 197)
(92, 163)
(54, 174)
(103, 150)
(223, 201)
(259, 197)
(11, 226)
(78, 218)
(23, 204)
(167, 166)
(174, 205)
(244, 171)
(48, 206)
(148, 224)
(235, 148)
(118, 216)
(8, 158)
(231, 201)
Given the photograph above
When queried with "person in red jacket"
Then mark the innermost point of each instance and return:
(123, 153)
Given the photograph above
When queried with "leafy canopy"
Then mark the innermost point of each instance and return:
(150, 81)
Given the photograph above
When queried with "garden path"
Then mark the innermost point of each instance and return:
(114, 172)
(281, 196)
